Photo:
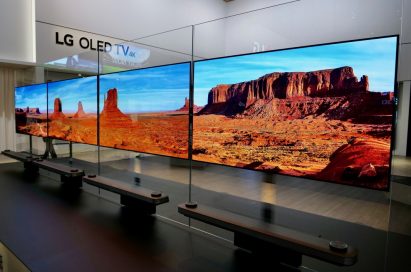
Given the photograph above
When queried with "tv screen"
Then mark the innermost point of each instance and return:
(31, 110)
(322, 112)
(146, 110)
(72, 110)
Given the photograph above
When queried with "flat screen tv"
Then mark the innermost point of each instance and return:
(323, 112)
(31, 110)
(146, 110)
(72, 110)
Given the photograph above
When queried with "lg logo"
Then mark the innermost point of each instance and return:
(95, 45)
(258, 47)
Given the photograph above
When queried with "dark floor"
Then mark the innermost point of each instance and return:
(51, 230)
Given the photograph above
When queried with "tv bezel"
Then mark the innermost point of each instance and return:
(395, 90)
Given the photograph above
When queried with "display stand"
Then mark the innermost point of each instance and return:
(279, 243)
(31, 144)
(136, 198)
(69, 176)
(71, 153)
(49, 149)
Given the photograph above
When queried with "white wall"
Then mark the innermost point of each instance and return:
(17, 42)
(241, 6)
(404, 75)
(309, 22)
(128, 19)
(402, 119)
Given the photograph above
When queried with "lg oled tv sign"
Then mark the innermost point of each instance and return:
(94, 45)
(117, 54)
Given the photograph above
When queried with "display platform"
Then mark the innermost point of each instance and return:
(86, 217)
(50, 230)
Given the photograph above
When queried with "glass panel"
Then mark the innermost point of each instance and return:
(146, 143)
(321, 209)
(30, 77)
(69, 64)
(144, 115)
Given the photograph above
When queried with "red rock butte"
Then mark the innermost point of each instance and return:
(186, 106)
(111, 114)
(58, 110)
(80, 111)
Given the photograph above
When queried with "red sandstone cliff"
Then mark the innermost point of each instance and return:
(330, 82)
(58, 110)
(297, 94)
(111, 114)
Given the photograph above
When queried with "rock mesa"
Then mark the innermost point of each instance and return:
(234, 98)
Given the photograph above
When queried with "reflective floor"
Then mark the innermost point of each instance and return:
(356, 215)
(347, 203)
(401, 166)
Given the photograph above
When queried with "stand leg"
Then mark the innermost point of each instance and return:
(31, 144)
(137, 205)
(72, 182)
(53, 153)
(71, 152)
(46, 152)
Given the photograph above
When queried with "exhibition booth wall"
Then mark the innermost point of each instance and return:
(140, 118)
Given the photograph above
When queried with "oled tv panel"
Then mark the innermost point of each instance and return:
(146, 110)
(31, 110)
(322, 112)
(72, 110)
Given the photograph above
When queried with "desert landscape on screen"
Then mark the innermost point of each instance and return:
(72, 114)
(321, 112)
(162, 133)
(146, 110)
(322, 124)
(31, 110)
(143, 110)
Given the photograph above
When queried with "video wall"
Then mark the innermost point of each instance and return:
(143, 110)
(322, 112)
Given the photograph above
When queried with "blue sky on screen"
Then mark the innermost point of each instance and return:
(149, 90)
(374, 58)
(72, 91)
(34, 96)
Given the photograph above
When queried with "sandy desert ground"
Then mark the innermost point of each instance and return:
(157, 133)
(301, 147)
